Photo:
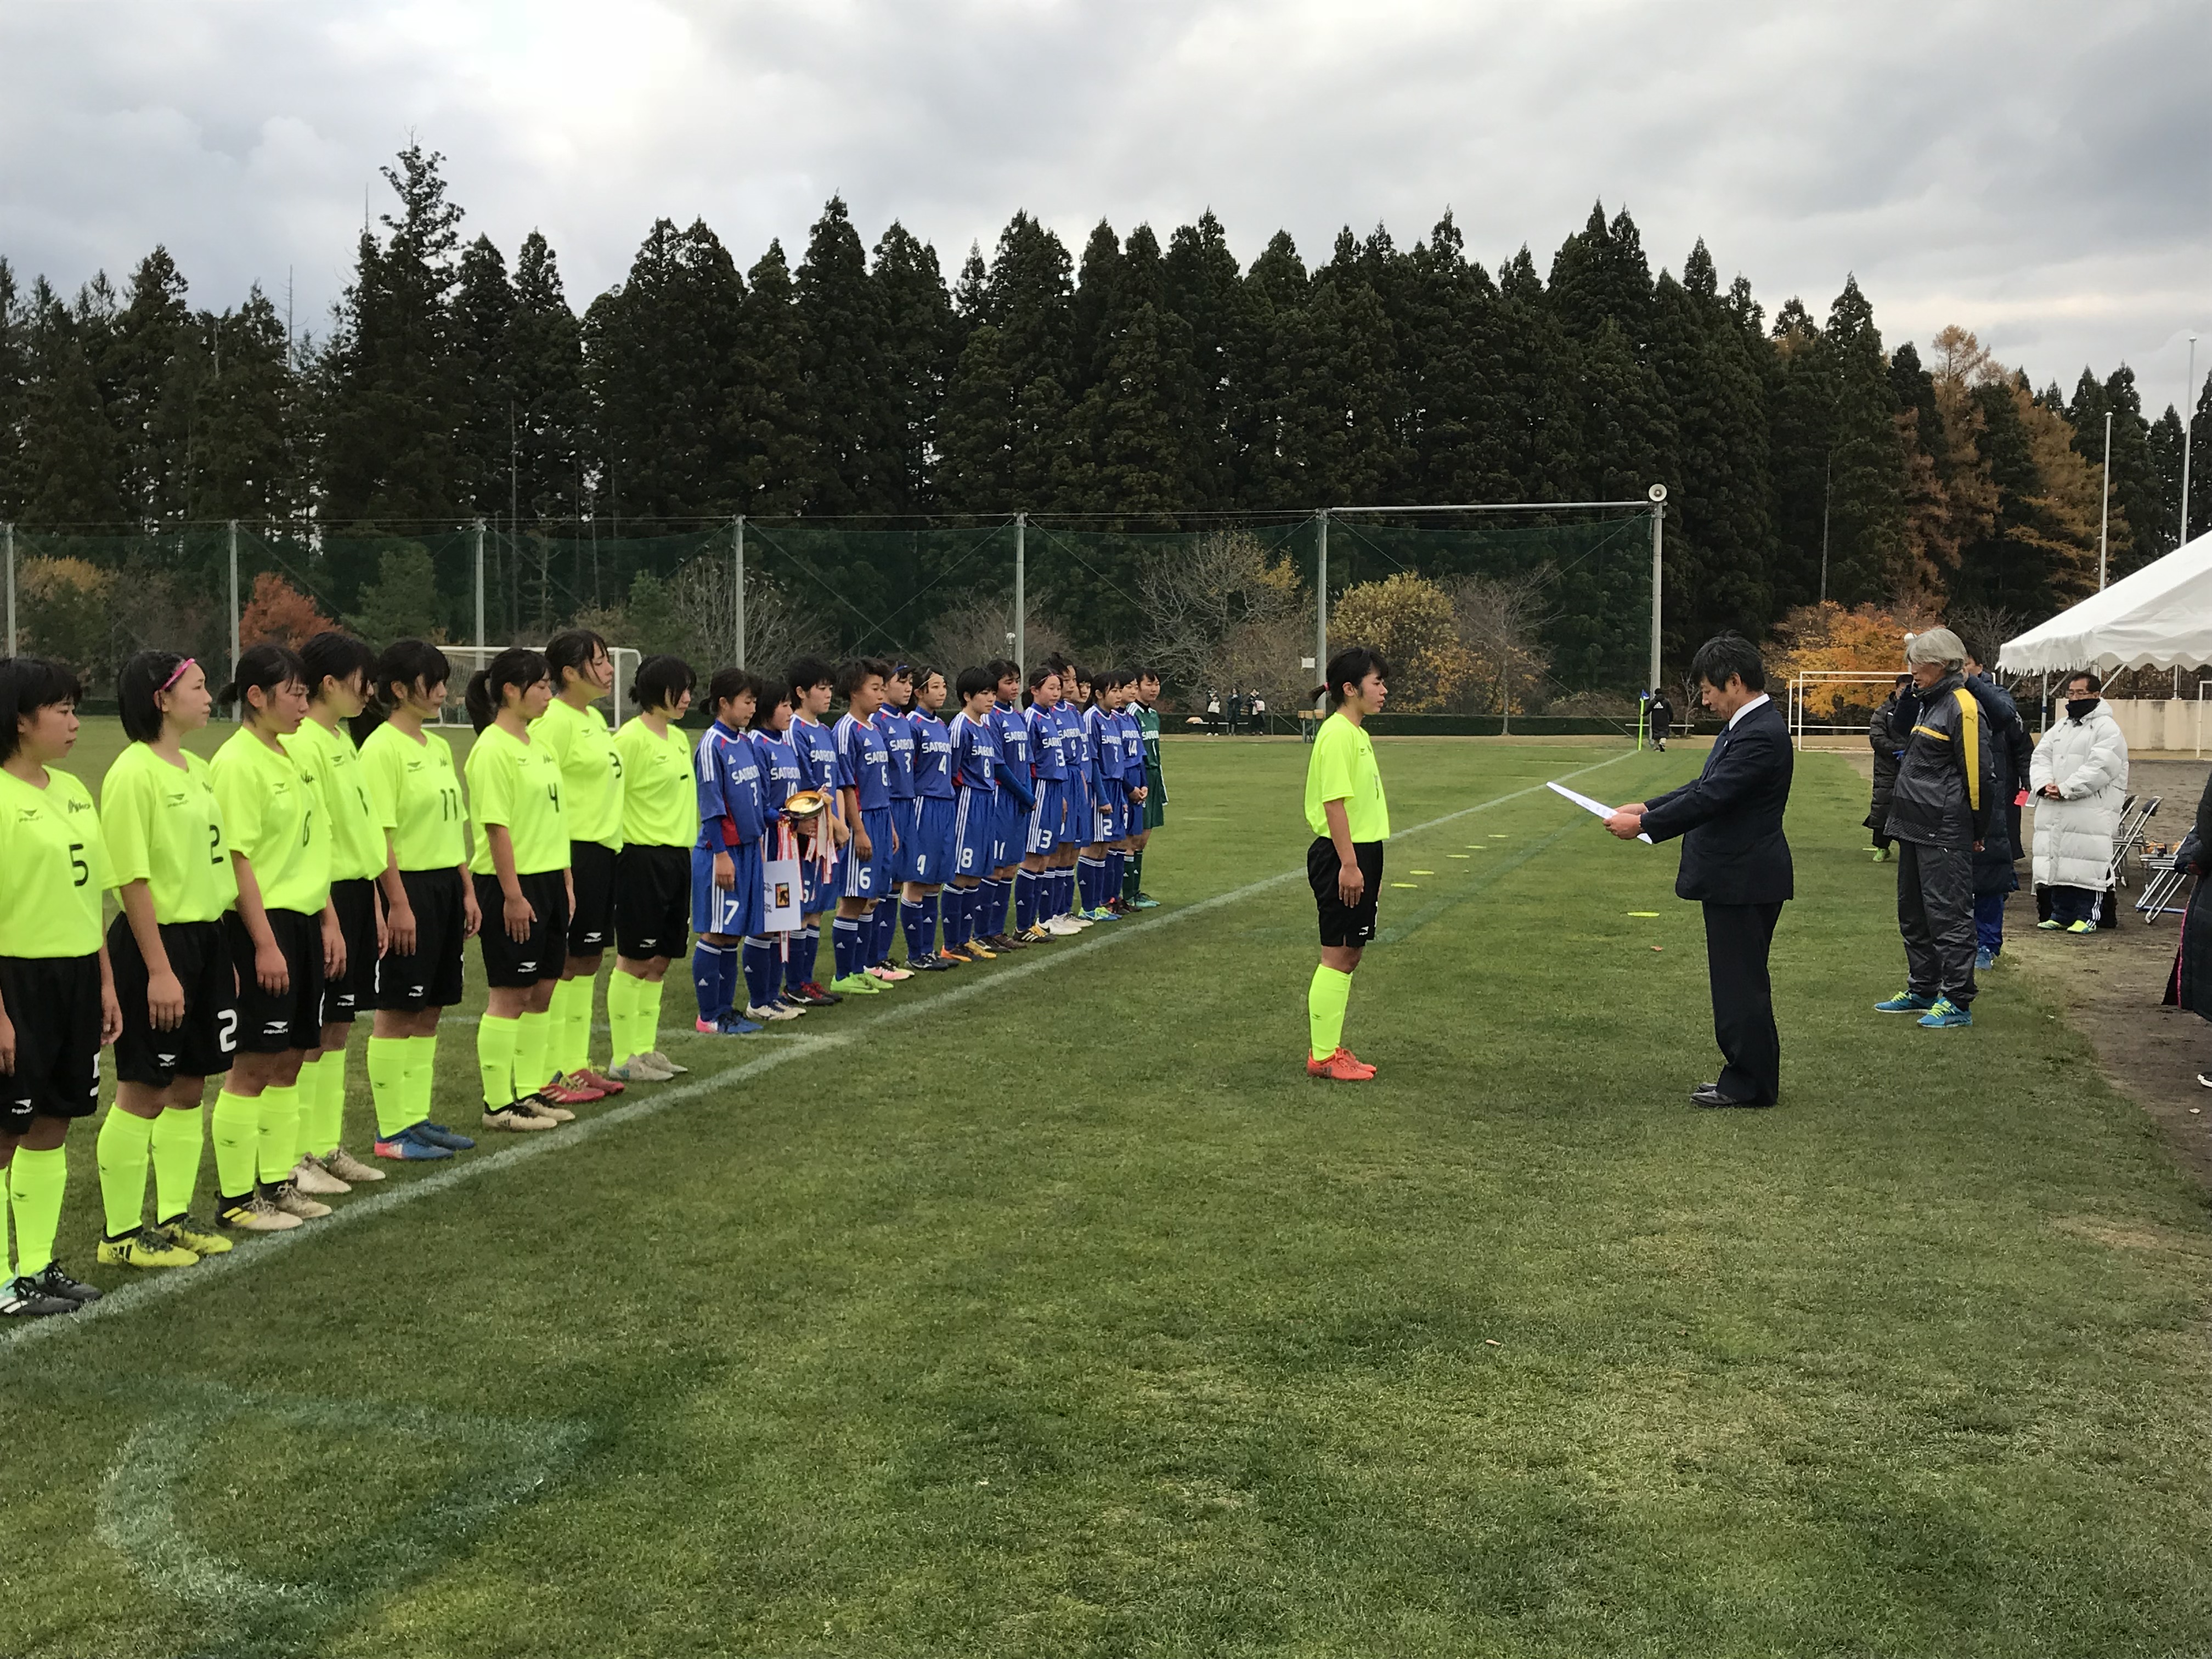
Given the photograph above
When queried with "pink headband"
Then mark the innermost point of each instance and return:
(175, 676)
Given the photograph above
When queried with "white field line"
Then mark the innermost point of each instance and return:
(256, 1252)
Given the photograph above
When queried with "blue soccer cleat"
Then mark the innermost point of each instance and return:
(734, 1025)
(1906, 1002)
(408, 1147)
(1946, 1012)
(439, 1135)
(1985, 959)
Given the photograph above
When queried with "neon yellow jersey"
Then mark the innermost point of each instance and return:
(661, 800)
(417, 796)
(164, 827)
(591, 769)
(1343, 769)
(517, 784)
(271, 816)
(332, 765)
(55, 861)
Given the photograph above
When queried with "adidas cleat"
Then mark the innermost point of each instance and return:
(194, 1237)
(347, 1168)
(665, 1064)
(17, 1303)
(51, 1280)
(292, 1201)
(439, 1135)
(255, 1215)
(516, 1118)
(405, 1147)
(149, 1247)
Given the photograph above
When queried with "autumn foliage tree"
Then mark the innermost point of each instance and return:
(281, 613)
(1866, 639)
(1410, 620)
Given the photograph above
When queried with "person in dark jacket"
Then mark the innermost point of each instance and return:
(1661, 715)
(1996, 879)
(1736, 861)
(1943, 811)
(2190, 984)
(1886, 737)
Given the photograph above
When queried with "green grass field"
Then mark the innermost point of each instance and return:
(1046, 1307)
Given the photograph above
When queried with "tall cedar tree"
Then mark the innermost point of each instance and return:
(847, 405)
(1201, 284)
(769, 420)
(921, 342)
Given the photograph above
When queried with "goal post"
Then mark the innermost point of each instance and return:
(468, 658)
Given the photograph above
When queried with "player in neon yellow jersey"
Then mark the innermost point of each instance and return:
(1350, 820)
(284, 939)
(174, 976)
(575, 732)
(337, 669)
(521, 874)
(653, 873)
(430, 902)
(56, 991)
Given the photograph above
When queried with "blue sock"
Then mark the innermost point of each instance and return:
(1005, 910)
(887, 913)
(800, 959)
(845, 946)
(1066, 893)
(983, 916)
(913, 914)
(760, 972)
(960, 911)
(708, 965)
(1117, 870)
(1025, 900)
(1088, 870)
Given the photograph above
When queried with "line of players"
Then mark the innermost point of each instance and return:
(271, 895)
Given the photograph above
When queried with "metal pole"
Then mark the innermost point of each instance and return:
(1658, 532)
(1021, 592)
(1321, 610)
(480, 625)
(9, 532)
(1827, 475)
(2188, 432)
(737, 546)
(238, 709)
(2104, 512)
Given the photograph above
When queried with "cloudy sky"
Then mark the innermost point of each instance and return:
(2041, 174)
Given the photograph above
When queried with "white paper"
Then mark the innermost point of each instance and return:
(1599, 808)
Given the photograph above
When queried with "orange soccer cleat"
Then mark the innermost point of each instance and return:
(1342, 1066)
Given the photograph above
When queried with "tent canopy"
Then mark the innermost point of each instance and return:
(2159, 618)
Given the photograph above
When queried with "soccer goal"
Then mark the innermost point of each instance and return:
(468, 658)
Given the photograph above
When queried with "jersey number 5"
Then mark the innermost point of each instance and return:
(77, 863)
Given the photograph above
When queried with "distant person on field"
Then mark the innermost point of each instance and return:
(1350, 821)
(2080, 779)
(1886, 735)
(1661, 715)
(2190, 984)
(2011, 749)
(1943, 811)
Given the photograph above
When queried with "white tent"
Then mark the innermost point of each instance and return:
(2159, 618)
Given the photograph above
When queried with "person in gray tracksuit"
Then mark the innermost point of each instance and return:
(1941, 811)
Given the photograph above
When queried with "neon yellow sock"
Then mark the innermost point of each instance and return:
(279, 1143)
(422, 1076)
(387, 1085)
(533, 1035)
(648, 1013)
(568, 1038)
(579, 1056)
(496, 1041)
(322, 1115)
(1327, 999)
(36, 1183)
(622, 1016)
(177, 1136)
(126, 1143)
(236, 1131)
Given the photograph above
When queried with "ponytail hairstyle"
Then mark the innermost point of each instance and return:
(1348, 667)
(26, 685)
(573, 650)
(334, 655)
(923, 676)
(732, 682)
(139, 683)
(659, 681)
(262, 668)
(516, 666)
(410, 666)
(1043, 671)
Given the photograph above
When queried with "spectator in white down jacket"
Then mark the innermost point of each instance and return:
(2079, 778)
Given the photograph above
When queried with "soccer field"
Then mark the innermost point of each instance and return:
(1047, 1307)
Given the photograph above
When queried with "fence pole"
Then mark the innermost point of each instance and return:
(238, 709)
(1321, 607)
(2104, 511)
(737, 617)
(7, 530)
(1021, 592)
(479, 584)
(1658, 532)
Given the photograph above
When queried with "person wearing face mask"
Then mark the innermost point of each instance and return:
(2078, 781)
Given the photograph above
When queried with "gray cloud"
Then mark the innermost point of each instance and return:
(2041, 174)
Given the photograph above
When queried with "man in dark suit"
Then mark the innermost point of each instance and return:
(1734, 860)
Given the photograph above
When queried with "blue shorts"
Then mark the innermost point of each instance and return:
(1009, 829)
(1109, 816)
(928, 855)
(732, 911)
(1048, 827)
(869, 877)
(902, 813)
(819, 892)
(1081, 798)
(975, 824)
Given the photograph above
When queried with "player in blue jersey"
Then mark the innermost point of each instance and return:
(1075, 754)
(894, 720)
(725, 861)
(1009, 727)
(974, 768)
(1048, 817)
(766, 954)
(864, 786)
(1110, 804)
(813, 683)
(1136, 789)
(925, 859)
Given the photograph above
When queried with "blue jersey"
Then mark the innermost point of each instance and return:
(816, 747)
(897, 727)
(726, 768)
(1132, 749)
(975, 753)
(1048, 745)
(864, 763)
(782, 775)
(1075, 743)
(933, 757)
(1012, 732)
(1103, 733)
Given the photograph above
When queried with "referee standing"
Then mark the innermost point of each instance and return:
(1350, 820)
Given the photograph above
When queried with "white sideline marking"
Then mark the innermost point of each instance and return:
(253, 1252)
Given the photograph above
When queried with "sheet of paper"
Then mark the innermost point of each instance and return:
(1597, 808)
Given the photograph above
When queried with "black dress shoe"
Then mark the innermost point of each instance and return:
(1709, 1094)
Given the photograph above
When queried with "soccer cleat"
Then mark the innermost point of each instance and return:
(51, 1280)
(407, 1147)
(1097, 912)
(1904, 1002)
(569, 1089)
(703, 1027)
(1946, 1012)
(149, 1247)
(665, 1064)
(194, 1237)
(954, 956)
(308, 1175)
(2084, 926)
(1985, 959)
(770, 1015)
(256, 1215)
(18, 1303)
(735, 1024)
(539, 1105)
(1881, 855)
(975, 951)
(1363, 1065)
(2204, 1079)
(1340, 1067)
(857, 984)
(347, 1168)
(439, 1135)
(2051, 924)
(516, 1118)
(599, 1080)
(928, 963)
(1003, 943)
(1062, 928)
(1145, 902)
(639, 1068)
(797, 1010)
(889, 975)
(292, 1201)
(814, 996)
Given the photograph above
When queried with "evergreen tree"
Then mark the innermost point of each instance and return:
(1452, 338)
(1199, 283)
(487, 425)
(1094, 305)
(15, 387)
(1600, 274)
(976, 430)
(247, 449)
(70, 462)
(1027, 300)
(139, 377)
(1274, 293)
(921, 340)
(848, 407)
(2163, 443)
(769, 420)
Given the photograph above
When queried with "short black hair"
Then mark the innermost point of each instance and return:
(1003, 668)
(770, 698)
(728, 685)
(2096, 683)
(856, 670)
(335, 654)
(805, 673)
(973, 680)
(1349, 667)
(1726, 656)
(415, 666)
(661, 680)
(136, 685)
(26, 685)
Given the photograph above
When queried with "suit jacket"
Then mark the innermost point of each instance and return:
(1730, 819)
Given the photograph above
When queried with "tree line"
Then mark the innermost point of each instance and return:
(1134, 383)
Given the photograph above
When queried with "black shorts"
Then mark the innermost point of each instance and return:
(652, 902)
(509, 965)
(592, 928)
(1340, 926)
(356, 903)
(199, 956)
(54, 1004)
(294, 1019)
(431, 977)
